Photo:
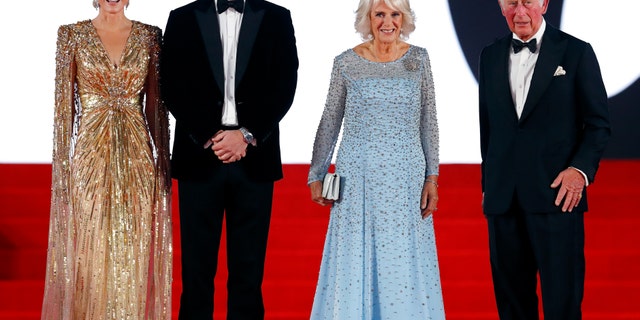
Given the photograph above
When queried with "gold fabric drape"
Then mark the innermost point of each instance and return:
(110, 242)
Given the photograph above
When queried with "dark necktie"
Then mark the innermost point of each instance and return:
(223, 5)
(518, 45)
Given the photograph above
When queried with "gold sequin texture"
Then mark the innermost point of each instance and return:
(110, 243)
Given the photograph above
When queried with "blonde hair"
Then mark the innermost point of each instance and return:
(363, 17)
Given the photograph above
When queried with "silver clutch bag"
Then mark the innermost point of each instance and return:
(331, 186)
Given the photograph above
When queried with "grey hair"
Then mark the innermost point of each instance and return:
(363, 17)
(96, 4)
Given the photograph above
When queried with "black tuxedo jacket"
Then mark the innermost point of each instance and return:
(192, 77)
(565, 122)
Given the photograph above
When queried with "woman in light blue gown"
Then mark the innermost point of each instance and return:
(380, 259)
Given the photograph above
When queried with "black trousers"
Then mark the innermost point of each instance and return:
(246, 208)
(524, 245)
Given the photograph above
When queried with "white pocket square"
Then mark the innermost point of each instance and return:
(559, 72)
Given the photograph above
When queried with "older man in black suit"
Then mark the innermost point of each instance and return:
(544, 125)
(229, 74)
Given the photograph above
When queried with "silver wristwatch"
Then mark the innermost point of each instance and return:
(248, 137)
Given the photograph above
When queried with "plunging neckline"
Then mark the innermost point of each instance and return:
(104, 50)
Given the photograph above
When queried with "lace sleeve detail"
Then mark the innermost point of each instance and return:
(329, 127)
(60, 280)
(429, 133)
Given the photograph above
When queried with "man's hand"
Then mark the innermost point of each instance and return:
(229, 146)
(571, 184)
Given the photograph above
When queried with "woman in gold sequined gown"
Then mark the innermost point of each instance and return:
(109, 254)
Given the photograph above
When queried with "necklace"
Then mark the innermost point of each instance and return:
(393, 55)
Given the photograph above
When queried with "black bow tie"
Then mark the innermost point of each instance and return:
(518, 45)
(223, 5)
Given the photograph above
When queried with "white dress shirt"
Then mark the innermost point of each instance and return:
(521, 67)
(230, 21)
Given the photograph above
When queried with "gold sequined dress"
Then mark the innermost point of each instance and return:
(110, 253)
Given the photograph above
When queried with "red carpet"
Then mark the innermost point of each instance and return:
(297, 235)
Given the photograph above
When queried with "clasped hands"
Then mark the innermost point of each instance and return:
(571, 183)
(228, 145)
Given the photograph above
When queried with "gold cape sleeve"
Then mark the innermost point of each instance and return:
(60, 279)
(159, 297)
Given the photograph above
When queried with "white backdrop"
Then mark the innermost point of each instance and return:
(323, 30)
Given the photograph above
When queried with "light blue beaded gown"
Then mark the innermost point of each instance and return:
(379, 259)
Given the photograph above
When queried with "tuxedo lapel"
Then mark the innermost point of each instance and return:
(251, 20)
(207, 18)
(499, 78)
(551, 53)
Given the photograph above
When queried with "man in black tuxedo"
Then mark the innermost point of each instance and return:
(229, 74)
(544, 125)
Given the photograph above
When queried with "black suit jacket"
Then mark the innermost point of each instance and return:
(565, 122)
(192, 78)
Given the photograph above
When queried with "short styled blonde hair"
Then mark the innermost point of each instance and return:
(363, 17)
